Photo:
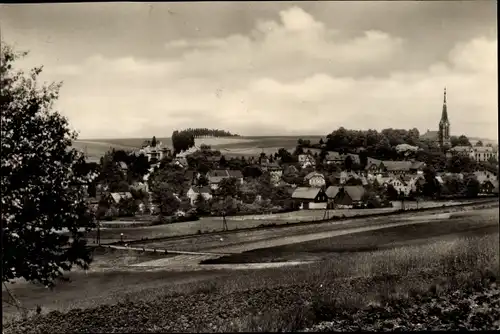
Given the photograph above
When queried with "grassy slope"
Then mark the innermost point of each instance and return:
(348, 280)
(229, 147)
(385, 238)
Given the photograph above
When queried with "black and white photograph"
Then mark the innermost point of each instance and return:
(238, 166)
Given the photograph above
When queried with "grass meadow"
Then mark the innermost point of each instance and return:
(288, 298)
(236, 146)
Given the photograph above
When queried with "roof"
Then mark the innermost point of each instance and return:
(224, 173)
(355, 192)
(433, 135)
(332, 191)
(235, 173)
(90, 160)
(397, 165)
(201, 190)
(122, 165)
(370, 161)
(313, 174)
(417, 165)
(271, 165)
(305, 193)
(332, 155)
(117, 197)
(440, 179)
(461, 148)
(482, 149)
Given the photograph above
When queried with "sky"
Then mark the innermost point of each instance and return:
(269, 68)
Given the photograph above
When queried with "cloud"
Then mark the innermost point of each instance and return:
(293, 74)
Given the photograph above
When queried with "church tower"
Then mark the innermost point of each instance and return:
(444, 127)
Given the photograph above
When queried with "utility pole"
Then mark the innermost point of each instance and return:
(224, 222)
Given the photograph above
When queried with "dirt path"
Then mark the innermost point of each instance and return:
(281, 238)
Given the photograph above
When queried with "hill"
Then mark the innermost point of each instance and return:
(229, 146)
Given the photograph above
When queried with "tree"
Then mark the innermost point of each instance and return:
(348, 163)
(153, 142)
(392, 193)
(182, 141)
(228, 187)
(202, 205)
(41, 187)
(166, 201)
(127, 207)
(479, 143)
(473, 187)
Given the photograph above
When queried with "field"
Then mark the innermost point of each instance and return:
(214, 224)
(229, 146)
(423, 277)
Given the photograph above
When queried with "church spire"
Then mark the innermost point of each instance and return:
(444, 114)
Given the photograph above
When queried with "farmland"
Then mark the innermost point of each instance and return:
(214, 224)
(229, 146)
(392, 266)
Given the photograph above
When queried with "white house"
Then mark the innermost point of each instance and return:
(194, 192)
(315, 179)
(401, 184)
(156, 152)
(306, 160)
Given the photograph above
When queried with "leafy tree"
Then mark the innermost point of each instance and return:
(202, 205)
(202, 180)
(252, 171)
(127, 207)
(182, 141)
(392, 193)
(265, 186)
(285, 156)
(431, 187)
(473, 187)
(41, 187)
(222, 162)
(321, 141)
(138, 167)
(348, 163)
(228, 187)
(165, 199)
(479, 143)
(172, 177)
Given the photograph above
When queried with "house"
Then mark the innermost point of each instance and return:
(156, 153)
(310, 198)
(417, 167)
(307, 160)
(349, 195)
(333, 158)
(118, 197)
(401, 183)
(484, 153)
(194, 192)
(346, 176)
(331, 192)
(464, 151)
(274, 170)
(354, 157)
(180, 161)
(373, 166)
(216, 176)
(315, 179)
(487, 187)
(290, 169)
(396, 167)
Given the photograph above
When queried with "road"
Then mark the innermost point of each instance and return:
(257, 239)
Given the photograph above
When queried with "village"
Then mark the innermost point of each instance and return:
(201, 181)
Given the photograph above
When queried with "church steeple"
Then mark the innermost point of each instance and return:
(444, 114)
(444, 126)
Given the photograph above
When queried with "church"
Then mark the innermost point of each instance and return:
(442, 136)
